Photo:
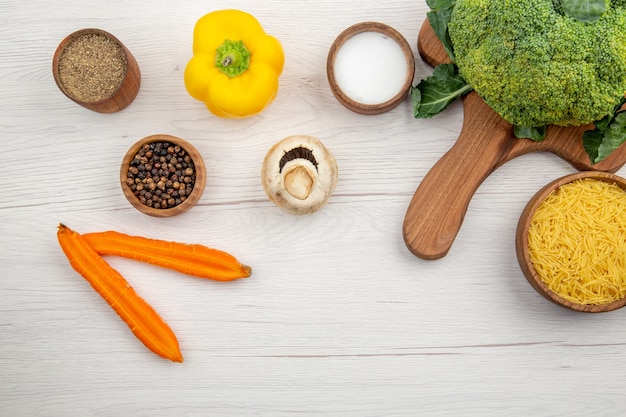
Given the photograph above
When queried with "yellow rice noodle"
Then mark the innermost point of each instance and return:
(577, 241)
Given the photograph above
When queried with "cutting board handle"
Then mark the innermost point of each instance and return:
(437, 209)
(436, 212)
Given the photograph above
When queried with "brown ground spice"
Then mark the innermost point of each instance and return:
(92, 67)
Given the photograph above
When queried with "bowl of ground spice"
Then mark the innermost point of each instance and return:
(162, 175)
(95, 70)
(571, 242)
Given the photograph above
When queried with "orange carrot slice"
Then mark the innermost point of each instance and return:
(191, 259)
(140, 317)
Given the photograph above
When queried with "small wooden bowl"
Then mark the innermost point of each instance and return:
(191, 199)
(348, 101)
(122, 96)
(521, 242)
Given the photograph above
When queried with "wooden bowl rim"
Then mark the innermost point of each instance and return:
(130, 62)
(342, 97)
(198, 188)
(521, 241)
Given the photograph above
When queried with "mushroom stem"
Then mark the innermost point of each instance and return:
(299, 182)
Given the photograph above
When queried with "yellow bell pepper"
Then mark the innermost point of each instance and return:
(235, 66)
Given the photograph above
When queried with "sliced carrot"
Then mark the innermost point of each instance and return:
(191, 259)
(140, 317)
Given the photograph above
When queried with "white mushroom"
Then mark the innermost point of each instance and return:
(299, 174)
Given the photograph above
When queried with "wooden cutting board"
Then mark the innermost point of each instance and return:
(486, 142)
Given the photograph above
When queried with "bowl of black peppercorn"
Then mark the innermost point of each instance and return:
(162, 175)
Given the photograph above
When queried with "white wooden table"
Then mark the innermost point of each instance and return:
(339, 318)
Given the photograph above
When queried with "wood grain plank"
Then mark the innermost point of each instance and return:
(338, 319)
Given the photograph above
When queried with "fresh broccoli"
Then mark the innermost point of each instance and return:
(536, 66)
(536, 62)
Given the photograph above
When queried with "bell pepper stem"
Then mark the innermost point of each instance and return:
(232, 58)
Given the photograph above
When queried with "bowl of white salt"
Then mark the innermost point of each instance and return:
(370, 68)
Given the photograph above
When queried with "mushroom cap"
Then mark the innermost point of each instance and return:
(299, 174)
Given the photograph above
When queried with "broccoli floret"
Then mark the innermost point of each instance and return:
(535, 65)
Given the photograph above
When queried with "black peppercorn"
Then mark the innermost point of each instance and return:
(161, 175)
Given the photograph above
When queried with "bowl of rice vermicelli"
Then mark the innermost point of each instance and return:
(571, 241)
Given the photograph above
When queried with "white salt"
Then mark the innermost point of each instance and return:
(370, 68)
